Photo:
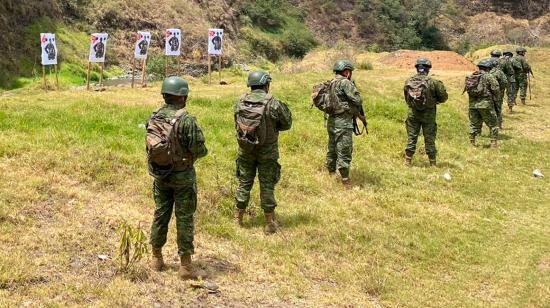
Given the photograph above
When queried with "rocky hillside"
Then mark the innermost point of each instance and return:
(268, 30)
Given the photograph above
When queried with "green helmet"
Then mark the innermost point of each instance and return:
(342, 65)
(496, 53)
(176, 86)
(258, 78)
(520, 50)
(423, 62)
(508, 52)
(487, 63)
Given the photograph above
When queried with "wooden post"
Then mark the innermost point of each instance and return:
(101, 74)
(88, 76)
(165, 66)
(44, 78)
(143, 69)
(220, 68)
(179, 65)
(209, 71)
(56, 77)
(133, 70)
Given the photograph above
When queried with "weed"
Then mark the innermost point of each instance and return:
(133, 245)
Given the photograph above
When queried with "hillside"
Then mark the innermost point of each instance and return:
(259, 32)
(73, 169)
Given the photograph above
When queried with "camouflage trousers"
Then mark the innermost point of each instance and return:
(498, 108)
(521, 87)
(179, 192)
(340, 150)
(269, 173)
(478, 116)
(424, 120)
(510, 93)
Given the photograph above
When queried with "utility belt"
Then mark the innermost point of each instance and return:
(184, 164)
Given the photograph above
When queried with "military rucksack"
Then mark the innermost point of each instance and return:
(416, 90)
(251, 122)
(163, 147)
(324, 97)
(474, 86)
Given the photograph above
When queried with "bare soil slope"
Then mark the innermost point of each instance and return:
(441, 60)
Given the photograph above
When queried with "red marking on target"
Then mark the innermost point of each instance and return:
(211, 33)
(43, 39)
(139, 36)
(168, 33)
(94, 39)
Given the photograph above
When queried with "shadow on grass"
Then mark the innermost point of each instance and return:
(287, 220)
(364, 178)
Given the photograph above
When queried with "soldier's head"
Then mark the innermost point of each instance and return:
(343, 68)
(423, 66)
(508, 53)
(175, 90)
(259, 80)
(521, 51)
(485, 65)
(496, 53)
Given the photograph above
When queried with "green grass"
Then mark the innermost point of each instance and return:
(73, 168)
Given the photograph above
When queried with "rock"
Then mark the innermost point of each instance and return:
(538, 174)
(208, 285)
(447, 176)
(141, 125)
(103, 257)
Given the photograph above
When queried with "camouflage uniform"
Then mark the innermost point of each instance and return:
(262, 159)
(522, 70)
(425, 119)
(179, 189)
(502, 83)
(505, 65)
(340, 126)
(482, 109)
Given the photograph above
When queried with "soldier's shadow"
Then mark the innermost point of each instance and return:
(213, 266)
(287, 220)
(365, 178)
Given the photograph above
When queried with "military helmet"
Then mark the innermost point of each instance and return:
(508, 52)
(258, 78)
(520, 49)
(496, 53)
(423, 62)
(342, 65)
(487, 63)
(176, 86)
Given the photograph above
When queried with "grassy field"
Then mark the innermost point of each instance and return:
(73, 168)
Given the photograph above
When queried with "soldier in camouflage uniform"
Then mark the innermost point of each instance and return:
(423, 117)
(522, 70)
(505, 65)
(340, 124)
(502, 83)
(482, 105)
(262, 159)
(178, 191)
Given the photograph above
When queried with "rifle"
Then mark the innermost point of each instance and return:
(529, 85)
(363, 119)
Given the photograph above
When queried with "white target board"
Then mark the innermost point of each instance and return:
(215, 41)
(173, 42)
(143, 40)
(98, 47)
(49, 48)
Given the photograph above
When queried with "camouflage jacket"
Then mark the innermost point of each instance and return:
(350, 101)
(437, 94)
(521, 67)
(492, 90)
(505, 65)
(280, 119)
(501, 78)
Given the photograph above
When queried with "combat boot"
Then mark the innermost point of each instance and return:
(510, 109)
(473, 140)
(157, 262)
(188, 270)
(239, 216)
(433, 162)
(271, 223)
(523, 101)
(408, 158)
(494, 144)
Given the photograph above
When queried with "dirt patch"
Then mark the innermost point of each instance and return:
(441, 60)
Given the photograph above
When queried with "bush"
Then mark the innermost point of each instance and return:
(265, 14)
(297, 43)
(367, 66)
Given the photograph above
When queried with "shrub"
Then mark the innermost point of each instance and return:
(367, 66)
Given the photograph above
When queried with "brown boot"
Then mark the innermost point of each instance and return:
(157, 262)
(188, 270)
(510, 109)
(408, 161)
(346, 182)
(473, 140)
(433, 163)
(239, 216)
(494, 144)
(271, 223)
(523, 101)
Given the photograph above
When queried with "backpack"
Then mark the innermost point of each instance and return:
(162, 145)
(473, 85)
(250, 122)
(416, 90)
(324, 97)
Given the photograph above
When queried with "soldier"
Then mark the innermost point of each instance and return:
(422, 95)
(483, 92)
(340, 123)
(522, 70)
(502, 83)
(259, 117)
(175, 184)
(505, 65)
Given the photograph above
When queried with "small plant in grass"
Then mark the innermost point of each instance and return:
(367, 66)
(133, 245)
